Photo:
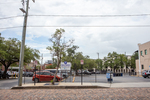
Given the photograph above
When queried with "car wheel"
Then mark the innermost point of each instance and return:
(36, 80)
(144, 77)
(148, 76)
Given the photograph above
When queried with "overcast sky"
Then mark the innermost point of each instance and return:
(91, 40)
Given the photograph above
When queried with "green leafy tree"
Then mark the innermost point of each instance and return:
(122, 60)
(105, 64)
(10, 53)
(127, 63)
(133, 58)
(99, 63)
(51, 67)
(58, 47)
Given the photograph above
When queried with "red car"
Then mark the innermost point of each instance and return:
(45, 76)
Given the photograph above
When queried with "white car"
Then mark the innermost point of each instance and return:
(10, 73)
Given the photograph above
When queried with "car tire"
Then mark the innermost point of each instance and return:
(148, 76)
(144, 77)
(36, 80)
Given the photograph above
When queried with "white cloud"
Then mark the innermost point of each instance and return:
(90, 40)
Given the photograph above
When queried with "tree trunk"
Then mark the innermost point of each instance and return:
(4, 73)
(58, 62)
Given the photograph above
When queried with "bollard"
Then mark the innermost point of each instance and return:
(15, 75)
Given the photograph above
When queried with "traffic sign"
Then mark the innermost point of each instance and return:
(65, 65)
(82, 62)
(35, 62)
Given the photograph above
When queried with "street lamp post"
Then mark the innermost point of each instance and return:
(23, 43)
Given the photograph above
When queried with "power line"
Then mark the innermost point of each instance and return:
(11, 27)
(95, 26)
(81, 26)
(94, 15)
(11, 17)
(79, 16)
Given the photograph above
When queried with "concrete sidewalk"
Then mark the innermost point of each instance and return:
(70, 85)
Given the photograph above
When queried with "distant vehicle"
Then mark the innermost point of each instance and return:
(60, 73)
(87, 72)
(1, 74)
(97, 72)
(146, 73)
(28, 74)
(45, 76)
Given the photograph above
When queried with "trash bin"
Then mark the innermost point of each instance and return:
(109, 76)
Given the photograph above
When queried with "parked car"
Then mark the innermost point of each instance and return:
(45, 76)
(65, 74)
(87, 72)
(60, 73)
(97, 72)
(28, 74)
(146, 73)
(1, 74)
(9, 73)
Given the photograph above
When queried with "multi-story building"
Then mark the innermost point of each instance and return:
(143, 63)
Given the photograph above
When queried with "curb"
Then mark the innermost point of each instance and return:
(58, 87)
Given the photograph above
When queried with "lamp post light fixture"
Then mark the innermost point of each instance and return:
(22, 10)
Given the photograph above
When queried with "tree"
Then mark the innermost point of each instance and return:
(99, 63)
(105, 63)
(122, 60)
(10, 53)
(51, 67)
(58, 48)
(133, 58)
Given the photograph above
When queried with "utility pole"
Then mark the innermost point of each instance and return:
(21, 60)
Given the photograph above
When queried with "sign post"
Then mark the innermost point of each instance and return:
(35, 63)
(65, 66)
(82, 62)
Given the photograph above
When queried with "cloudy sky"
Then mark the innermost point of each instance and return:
(102, 35)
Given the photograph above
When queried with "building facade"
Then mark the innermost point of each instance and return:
(143, 63)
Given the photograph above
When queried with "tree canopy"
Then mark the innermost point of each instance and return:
(58, 48)
(10, 53)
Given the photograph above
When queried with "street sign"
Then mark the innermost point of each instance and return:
(35, 62)
(82, 62)
(65, 65)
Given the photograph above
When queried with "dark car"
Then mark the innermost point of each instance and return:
(146, 73)
(1, 74)
(87, 72)
(97, 72)
(28, 74)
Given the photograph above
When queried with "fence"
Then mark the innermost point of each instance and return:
(135, 74)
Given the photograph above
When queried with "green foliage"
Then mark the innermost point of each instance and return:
(10, 52)
(51, 66)
(58, 47)
(38, 67)
(99, 63)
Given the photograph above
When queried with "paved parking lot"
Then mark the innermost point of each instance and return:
(101, 78)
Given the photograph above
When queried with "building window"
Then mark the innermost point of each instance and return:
(142, 66)
(146, 52)
(141, 53)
